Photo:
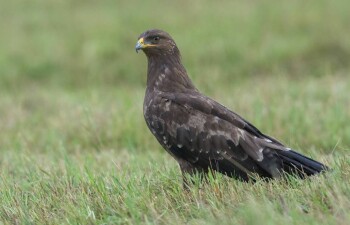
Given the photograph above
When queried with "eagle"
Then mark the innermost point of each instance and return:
(200, 133)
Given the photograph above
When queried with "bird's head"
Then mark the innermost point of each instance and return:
(156, 42)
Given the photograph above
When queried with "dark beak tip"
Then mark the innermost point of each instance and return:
(138, 49)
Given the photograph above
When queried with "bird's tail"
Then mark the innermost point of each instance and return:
(296, 163)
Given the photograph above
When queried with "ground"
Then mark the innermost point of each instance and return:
(74, 147)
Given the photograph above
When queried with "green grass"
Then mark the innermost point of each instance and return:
(74, 148)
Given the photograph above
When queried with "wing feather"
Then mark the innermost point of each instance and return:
(211, 138)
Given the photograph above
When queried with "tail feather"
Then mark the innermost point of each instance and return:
(297, 163)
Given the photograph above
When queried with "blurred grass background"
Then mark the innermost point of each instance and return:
(72, 86)
(80, 43)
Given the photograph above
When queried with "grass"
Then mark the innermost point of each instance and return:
(75, 149)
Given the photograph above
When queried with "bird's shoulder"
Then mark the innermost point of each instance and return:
(195, 103)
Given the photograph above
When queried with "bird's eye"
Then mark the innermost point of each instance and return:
(156, 38)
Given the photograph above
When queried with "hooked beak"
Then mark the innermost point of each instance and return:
(139, 45)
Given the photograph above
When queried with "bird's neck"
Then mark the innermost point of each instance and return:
(167, 74)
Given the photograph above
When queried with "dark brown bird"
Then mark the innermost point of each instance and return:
(202, 134)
